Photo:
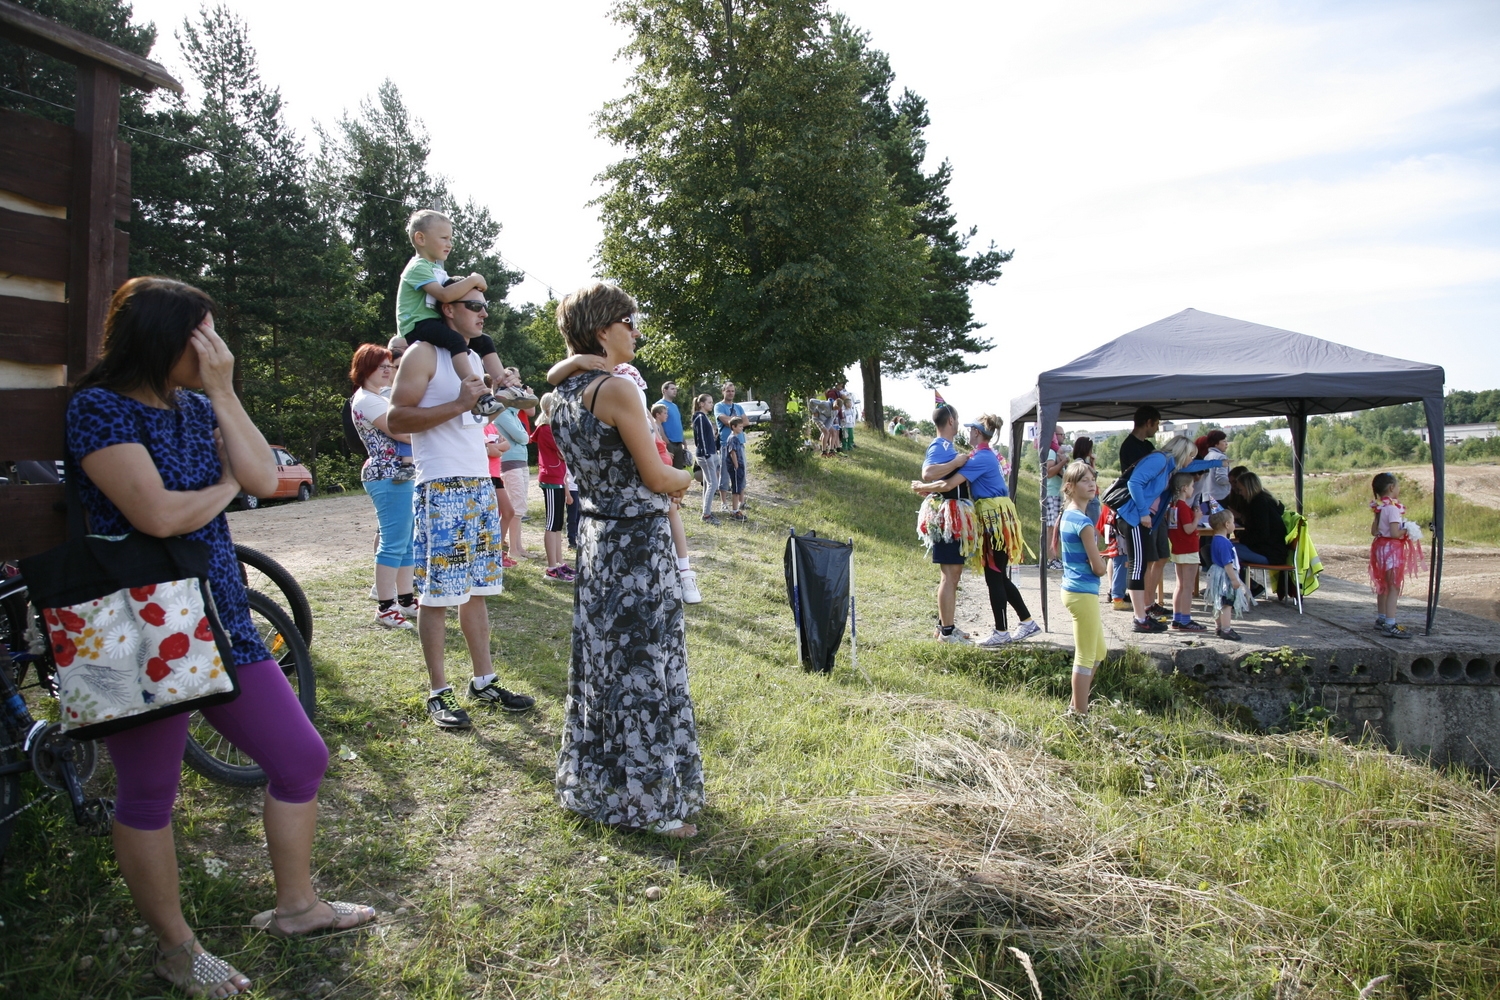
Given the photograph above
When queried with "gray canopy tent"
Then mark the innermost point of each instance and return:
(1241, 370)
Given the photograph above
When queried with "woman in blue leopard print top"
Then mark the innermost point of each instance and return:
(160, 459)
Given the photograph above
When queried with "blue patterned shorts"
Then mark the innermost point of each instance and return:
(457, 544)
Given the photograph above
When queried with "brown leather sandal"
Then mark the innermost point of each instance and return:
(270, 920)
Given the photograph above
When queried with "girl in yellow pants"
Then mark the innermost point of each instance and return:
(1078, 547)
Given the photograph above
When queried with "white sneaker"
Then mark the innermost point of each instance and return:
(690, 594)
(1025, 630)
(391, 618)
(956, 637)
(373, 595)
(996, 638)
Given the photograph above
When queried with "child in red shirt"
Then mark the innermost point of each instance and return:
(1182, 533)
(552, 475)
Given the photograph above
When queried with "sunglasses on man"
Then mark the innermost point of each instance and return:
(474, 307)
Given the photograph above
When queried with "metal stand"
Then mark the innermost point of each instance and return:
(854, 621)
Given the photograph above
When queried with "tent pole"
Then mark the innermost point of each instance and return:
(1436, 428)
(791, 542)
(1017, 429)
(1299, 447)
(854, 621)
(1042, 551)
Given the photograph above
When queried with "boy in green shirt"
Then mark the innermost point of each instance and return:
(424, 285)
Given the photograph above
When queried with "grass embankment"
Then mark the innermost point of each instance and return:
(900, 839)
(1338, 510)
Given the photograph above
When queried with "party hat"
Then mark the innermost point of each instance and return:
(937, 399)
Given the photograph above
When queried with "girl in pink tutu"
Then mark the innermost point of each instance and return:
(1396, 551)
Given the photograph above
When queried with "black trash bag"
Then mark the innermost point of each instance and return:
(819, 596)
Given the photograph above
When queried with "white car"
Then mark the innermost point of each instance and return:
(756, 412)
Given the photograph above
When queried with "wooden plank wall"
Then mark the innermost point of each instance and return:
(39, 168)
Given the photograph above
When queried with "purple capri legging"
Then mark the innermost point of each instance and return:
(266, 722)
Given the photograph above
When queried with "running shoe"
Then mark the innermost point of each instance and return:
(956, 637)
(712, 519)
(558, 573)
(738, 515)
(690, 592)
(1025, 630)
(1393, 631)
(1121, 604)
(487, 406)
(996, 639)
(493, 694)
(446, 713)
(506, 562)
(1189, 626)
(1157, 611)
(391, 618)
(1149, 625)
(569, 572)
(1227, 633)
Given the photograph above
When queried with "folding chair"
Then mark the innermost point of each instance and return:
(1290, 570)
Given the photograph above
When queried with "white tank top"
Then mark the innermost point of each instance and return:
(454, 447)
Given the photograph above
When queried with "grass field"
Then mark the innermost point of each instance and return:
(935, 831)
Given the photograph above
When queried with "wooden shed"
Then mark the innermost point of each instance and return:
(61, 192)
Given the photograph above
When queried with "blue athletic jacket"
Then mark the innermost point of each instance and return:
(1150, 480)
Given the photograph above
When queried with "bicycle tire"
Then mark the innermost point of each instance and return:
(14, 610)
(295, 602)
(10, 796)
(213, 756)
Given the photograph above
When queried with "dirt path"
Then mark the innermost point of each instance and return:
(1475, 483)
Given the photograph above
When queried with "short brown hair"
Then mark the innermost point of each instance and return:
(368, 358)
(1219, 518)
(583, 314)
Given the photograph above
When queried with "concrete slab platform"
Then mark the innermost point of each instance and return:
(1434, 696)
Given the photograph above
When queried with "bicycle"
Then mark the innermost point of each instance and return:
(259, 571)
(60, 762)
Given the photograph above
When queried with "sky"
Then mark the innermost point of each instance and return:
(1329, 168)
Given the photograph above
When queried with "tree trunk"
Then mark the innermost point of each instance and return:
(776, 403)
(869, 370)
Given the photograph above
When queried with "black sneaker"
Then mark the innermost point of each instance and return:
(1149, 625)
(493, 694)
(1227, 633)
(1157, 611)
(446, 713)
(1189, 626)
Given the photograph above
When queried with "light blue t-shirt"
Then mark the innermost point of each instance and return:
(731, 410)
(940, 452)
(1078, 575)
(982, 470)
(1054, 483)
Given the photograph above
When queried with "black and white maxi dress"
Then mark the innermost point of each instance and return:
(629, 754)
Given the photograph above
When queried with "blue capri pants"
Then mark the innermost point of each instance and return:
(393, 508)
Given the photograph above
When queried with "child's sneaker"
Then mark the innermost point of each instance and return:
(1393, 631)
(506, 562)
(517, 396)
(690, 592)
(1227, 633)
(1157, 611)
(569, 572)
(1189, 626)
(1149, 625)
(558, 573)
(487, 406)
(391, 618)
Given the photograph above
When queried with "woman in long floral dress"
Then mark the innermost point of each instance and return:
(629, 756)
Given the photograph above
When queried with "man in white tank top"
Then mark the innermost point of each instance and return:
(458, 531)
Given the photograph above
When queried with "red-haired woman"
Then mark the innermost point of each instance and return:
(388, 476)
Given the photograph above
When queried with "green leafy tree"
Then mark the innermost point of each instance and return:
(752, 214)
(372, 174)
(933, 337)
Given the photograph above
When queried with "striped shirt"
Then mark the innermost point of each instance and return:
(1078, 575)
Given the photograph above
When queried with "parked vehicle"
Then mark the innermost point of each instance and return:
(756, 412)
(293, 481)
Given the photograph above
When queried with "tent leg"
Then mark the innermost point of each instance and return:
(854, 621)
(796, 593)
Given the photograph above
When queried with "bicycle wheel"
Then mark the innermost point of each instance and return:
(10, 794)
(260, 572)
(208, 752)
